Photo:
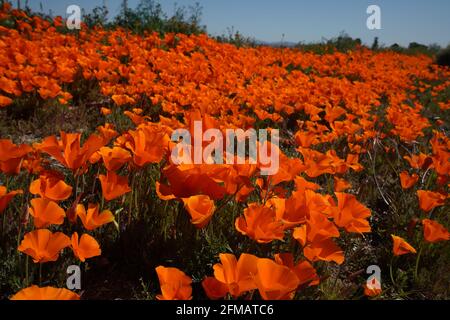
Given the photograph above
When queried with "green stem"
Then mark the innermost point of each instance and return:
(330, 189)
(6, 183)
(391, 274)
(6, 209)
(268, 189)
(135, 192)
(19, 235)
(131, 200)
(4, 224)
(27, 272)
(336, 279)
(40, 274)
(416, 269)
(118, 222)
(77, 177)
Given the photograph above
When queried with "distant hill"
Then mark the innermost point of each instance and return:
(277, 43)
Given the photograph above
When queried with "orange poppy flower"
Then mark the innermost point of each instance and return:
(11, 156)
(137, 110)
(86, 247)
(214, 289)
(278, 205)
(92, 219)
(232, 276)
(401, 246)
(5, 197)
(43, 245)
(105, 111)
(441, 154)
(263, 115)
(201, 209)
(332, 113)
(121, 99)
(288, 169)
(9, 86)
(33, 163)
(260, 223)
(95, 157)
(135, 117)
(306, 274)
(408, 181)
(352, 162)
(306, 139)
(113, 185)
(316, 162)
(351, 214)
(408, 125)
(149, 143)
(420, 161)
(301, 184)
(434, 231)
(68, 151)
(49, 90)
(5, 101)
(114, 158)
(275, 281)
(188, 180)
(45, 293)
(50, 185)
(175, 284)
(316, 238)
(318, 227)
(302, 204)
(428, 200)
(341, 184)
(325, 250)
(372, 290)
(107, 132)
(46, 212)
(304, 271)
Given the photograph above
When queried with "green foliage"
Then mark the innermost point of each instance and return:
(415, 48)
(375, 44)
(236, 38)
(341, 43)
(443, 57)
(98, 17)
(149, 16)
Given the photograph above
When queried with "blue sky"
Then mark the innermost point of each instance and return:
(402, 21)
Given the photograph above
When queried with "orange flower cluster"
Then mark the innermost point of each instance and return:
(275, 279)
(439, 162)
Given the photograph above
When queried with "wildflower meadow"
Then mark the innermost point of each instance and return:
(173, 165)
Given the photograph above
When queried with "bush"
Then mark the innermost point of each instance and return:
(149, 16)
(443, 58)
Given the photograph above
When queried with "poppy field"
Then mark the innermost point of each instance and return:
(87, 179)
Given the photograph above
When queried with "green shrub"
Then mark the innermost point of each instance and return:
(443, 58)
